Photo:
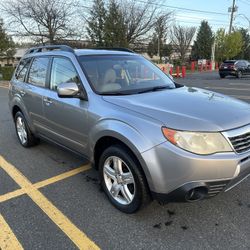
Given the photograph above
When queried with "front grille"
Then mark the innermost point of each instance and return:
(241, 143)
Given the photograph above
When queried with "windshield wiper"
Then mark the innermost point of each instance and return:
(154, 89)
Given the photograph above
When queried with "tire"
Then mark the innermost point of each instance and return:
(222, 76)
(239, 74)
(24, 135)
(125, 184)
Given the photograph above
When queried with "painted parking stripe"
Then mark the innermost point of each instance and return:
(244, 97)
(226, 88)
(44, 183)
(74, 233)
(8, 240)
(238, 84)
(62, 176)
(11, 195)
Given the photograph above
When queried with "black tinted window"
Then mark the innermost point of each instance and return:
(241, 64)
(22, 69)
(245, 63)
(62, 71)
(38, 71)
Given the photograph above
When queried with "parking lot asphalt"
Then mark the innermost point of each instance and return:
(51, 199)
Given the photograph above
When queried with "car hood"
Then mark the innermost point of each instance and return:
(188, 108)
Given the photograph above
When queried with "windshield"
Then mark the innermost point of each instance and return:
(119, 74)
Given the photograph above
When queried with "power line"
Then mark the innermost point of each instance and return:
(182, 8)
(169, 6)
(245, 2)
(191, 22)
(201, 18)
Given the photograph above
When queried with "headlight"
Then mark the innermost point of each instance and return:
(198, 142)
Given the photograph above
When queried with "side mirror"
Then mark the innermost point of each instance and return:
(68, 90)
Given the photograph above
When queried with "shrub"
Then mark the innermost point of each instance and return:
(6, 72)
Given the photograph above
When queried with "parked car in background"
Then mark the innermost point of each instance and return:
(236, 68)
(148, 136)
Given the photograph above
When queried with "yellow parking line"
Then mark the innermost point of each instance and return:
(12, 195)
(8, 240)
(44, 183)
(75, 234)
(62, 176)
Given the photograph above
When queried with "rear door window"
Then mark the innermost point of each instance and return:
(22, 69)
(38, 71)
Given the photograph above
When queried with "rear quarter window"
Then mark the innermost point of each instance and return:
(22, 69)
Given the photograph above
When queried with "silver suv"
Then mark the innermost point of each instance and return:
(148, 136)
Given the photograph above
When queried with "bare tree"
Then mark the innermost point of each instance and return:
(140, 18)
(182, 37)
(42, 20)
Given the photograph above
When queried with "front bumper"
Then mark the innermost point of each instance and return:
(172, 172)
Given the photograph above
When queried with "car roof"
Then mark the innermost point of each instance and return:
(230, 61)
(79, 52)
(66, 50)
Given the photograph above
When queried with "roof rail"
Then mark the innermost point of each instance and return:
(116, 49)
(48, 48)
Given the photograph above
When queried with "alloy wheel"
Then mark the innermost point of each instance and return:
(119, 180)
(21, 130)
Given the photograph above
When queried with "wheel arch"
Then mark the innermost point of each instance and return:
(108, 140)
(15, 109)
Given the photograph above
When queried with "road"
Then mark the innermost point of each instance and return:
(238, 88)
(50, 199)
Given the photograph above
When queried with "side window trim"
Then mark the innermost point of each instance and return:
(28, 71)
(17, 69)
(48, 75)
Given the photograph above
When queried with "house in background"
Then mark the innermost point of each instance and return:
(13, 61)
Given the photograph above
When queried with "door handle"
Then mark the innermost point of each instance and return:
(47, 101)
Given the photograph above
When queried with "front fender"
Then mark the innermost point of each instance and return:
(134, 139)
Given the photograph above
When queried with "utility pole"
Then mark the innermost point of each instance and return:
(213, 55)
(232, 10)
(159, 45)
